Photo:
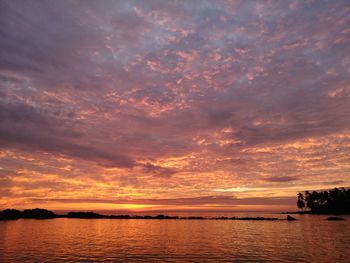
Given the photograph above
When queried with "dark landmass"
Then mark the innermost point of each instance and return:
(248, 218)
(335, 218)
(84, 215)
(37, 213)
(335, 201)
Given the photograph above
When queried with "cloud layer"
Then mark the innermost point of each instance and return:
(166, 100)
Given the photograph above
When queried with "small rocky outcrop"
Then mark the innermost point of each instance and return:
(290, 218)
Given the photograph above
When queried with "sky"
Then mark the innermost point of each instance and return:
(172, 105)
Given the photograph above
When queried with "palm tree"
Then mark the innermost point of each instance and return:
(301, 201)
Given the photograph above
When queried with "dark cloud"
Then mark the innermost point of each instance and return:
(158, 171)
(27, 128)
(281, 178)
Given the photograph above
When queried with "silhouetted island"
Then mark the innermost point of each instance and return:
(37, 213)
(336, 201)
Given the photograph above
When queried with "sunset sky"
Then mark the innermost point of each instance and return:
(172, 105)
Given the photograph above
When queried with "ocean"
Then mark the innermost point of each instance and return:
(309, 239)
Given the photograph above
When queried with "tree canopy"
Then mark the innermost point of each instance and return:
(335, 201)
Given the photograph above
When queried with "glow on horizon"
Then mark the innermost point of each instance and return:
(172, 105)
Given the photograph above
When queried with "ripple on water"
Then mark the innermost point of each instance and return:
(310, 239)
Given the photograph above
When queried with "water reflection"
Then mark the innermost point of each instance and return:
(310, 239)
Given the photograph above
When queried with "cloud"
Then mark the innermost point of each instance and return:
(205, 200)
(212, 96)
(157, 171)
(24, 127)
(281, 178)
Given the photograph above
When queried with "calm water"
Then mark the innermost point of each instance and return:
(311, 239)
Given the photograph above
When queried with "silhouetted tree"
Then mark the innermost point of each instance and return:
(333, 201)
(301, 202)
(38, 213)
(11, 214)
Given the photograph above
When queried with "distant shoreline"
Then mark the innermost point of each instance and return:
(92, 215)
(37, 213)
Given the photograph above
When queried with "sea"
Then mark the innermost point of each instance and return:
(311, 238)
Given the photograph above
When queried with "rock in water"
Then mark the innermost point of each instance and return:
(290, 218)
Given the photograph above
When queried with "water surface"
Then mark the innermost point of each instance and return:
(310, 239)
